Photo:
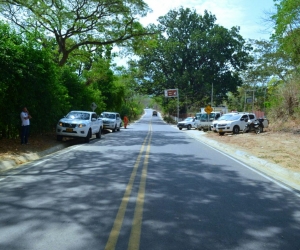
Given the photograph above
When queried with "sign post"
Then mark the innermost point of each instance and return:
(173, 93)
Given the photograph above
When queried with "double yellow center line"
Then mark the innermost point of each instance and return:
(134, 240)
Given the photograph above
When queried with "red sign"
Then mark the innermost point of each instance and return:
(171, 93)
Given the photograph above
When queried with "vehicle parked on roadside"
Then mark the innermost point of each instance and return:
(205, 120)
(252, 126)
(111, 120)
(234, 124)
(237, 123)
(188, 123)
(257, 126)
(79, 124)
(221, 118)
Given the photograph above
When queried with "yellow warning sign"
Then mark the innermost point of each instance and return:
(208, 109)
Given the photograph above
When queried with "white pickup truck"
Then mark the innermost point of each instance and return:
(237, 122)
(79, 124)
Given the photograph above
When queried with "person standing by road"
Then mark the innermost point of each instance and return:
(125, 119)
(25, 117)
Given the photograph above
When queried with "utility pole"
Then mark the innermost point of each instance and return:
(212, 95)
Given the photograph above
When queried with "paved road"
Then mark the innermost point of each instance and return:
(147, 187)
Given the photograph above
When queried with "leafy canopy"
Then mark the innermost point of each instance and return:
(287, 27)
(70, 25)
(193, 54)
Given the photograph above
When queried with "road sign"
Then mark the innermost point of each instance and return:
(94, 106)
(171, 93)
(249, 100)
(208, 109)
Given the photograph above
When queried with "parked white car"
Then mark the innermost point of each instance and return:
(111, 120)
(224, 117)
(79, 124)
(235, 123)
(188, 123)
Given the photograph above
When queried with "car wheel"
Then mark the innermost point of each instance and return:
(189, 127)
(59, 137)
(88, 136)
(115, 128)
(98, 135)
(236, 130)
(119, 128)
(180, 128)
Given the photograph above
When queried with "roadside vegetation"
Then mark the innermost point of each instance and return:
(54, 61)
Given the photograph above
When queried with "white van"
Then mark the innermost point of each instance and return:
(205, 120)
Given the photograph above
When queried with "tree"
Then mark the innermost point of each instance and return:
(192, 54)
(268, 61)
(270, 68)
(287, 27)
(132, 101)
(71, 25)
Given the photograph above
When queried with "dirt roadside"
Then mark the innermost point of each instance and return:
(12, 150)
(280, 148)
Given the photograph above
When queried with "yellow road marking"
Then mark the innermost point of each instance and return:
(135, 235)
(114, 234)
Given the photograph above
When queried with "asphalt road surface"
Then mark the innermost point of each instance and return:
(148, 187)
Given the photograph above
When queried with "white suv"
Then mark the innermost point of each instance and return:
(111, 120)
(234, 123)
(224, 117)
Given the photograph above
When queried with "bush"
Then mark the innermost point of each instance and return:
(285, 101)
(169, 119)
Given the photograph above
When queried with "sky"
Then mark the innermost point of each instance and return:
(249, 15)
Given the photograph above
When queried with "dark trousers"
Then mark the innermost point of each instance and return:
(24, 134)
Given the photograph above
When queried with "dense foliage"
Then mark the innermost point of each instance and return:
(194, 54)
(287, 27)
(29, 77)
(77, 27)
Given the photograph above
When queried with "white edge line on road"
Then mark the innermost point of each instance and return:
(253, 169)
(249, 167)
